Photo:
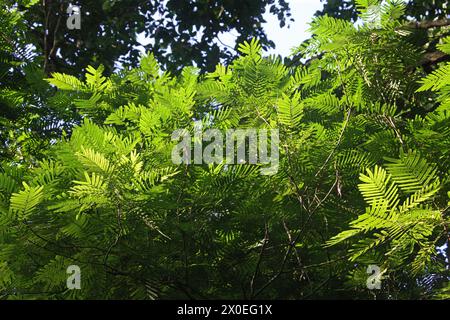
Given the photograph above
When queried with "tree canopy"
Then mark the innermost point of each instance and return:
(418, 9)
(183, 32)
(363, 179)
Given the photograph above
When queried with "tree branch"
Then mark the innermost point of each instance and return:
(429, 24)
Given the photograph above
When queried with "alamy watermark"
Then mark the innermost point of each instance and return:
(74, 279)
(235, 146)
(74, 19)
(374, 280)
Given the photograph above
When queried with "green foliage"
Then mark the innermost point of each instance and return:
(418, 9)
(404, 225)
(182, 32)
(26, 201)
(363, 178)
(439, 80)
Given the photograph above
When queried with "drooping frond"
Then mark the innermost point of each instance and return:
(25, 202)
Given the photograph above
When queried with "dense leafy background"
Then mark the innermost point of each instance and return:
(183, 32)
(87, 176)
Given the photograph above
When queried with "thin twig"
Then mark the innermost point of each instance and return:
(265, 241)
